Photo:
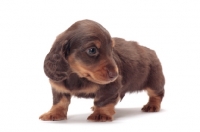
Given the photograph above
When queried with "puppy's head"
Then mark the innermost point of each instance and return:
(86, 48)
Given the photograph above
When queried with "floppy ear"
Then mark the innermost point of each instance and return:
(55, 64)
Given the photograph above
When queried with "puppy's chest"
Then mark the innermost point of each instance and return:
(81, 87)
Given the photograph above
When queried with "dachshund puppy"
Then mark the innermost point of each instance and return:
(85, 61)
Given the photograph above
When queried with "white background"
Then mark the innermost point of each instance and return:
(28, 29)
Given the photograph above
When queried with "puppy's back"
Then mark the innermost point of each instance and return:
(135, 64)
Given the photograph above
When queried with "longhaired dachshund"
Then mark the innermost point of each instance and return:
(85, 61)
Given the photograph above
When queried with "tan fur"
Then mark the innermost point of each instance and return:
(102, 113)
(114, 68)
(87, 90)
(150, 92)
(59, 87)
(154, 102)
(98, 44)
(57, 112)
(94, 74)
(77, 67)
(113, 43)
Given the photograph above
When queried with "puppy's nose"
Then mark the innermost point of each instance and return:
(112, 74)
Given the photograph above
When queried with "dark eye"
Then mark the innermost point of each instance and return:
(92, 51)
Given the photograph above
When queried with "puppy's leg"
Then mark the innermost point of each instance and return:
(154, 101)
(59, 109)
(104, 103)
(155, 89)
(102, 114)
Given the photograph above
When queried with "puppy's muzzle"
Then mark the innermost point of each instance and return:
(112, 72)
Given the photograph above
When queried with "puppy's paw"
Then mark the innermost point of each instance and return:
(98, 117)
(53, 116)
(151, 108)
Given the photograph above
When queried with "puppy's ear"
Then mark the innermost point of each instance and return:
(65, 49)
(55, 64)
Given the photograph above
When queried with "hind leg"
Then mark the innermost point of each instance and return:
(154, 102)
(155, 88)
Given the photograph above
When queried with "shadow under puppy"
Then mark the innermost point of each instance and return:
(85, 61)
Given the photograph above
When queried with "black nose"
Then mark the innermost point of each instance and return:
(112, 74)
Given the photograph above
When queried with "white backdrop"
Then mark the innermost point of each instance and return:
(28, 29)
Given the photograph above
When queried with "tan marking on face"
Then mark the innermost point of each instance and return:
(97, 44)
(116, 69)
(113, 43)
(58, 111)
(59, 87)
(93, 73)
(76, 66)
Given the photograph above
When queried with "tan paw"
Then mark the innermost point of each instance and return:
(53, 116)
(151, 108)
(99, 117)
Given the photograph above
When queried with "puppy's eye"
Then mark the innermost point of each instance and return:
(92, 51)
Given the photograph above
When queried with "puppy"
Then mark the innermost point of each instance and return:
(85, 61)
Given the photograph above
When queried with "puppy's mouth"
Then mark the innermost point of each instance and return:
(101, 79)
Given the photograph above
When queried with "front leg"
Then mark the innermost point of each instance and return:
(59, 109)
(103, 113)
(104, 104)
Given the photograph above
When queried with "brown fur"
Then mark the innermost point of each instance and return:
(57, 112)
(59, 87)
(85, 61)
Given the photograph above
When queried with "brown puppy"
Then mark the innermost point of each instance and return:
(85, 61)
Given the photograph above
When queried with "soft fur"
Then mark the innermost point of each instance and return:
(85, 61)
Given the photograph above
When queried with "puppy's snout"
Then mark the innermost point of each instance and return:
(112, 71)
(112, 74)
